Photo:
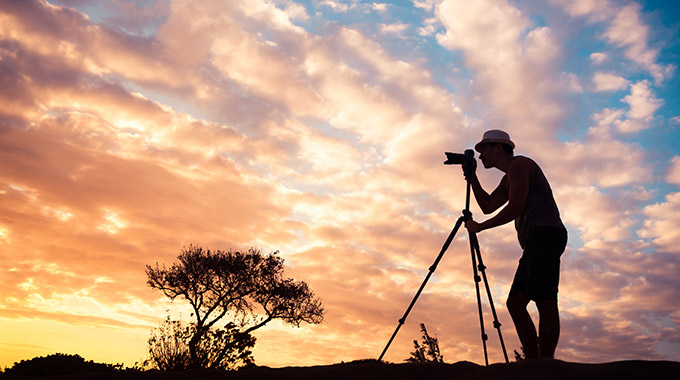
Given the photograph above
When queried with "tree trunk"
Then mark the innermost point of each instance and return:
(193, 348)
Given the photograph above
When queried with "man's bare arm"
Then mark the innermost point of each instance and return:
(519, 175)
(489, 202)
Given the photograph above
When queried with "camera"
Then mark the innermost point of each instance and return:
(465, 159)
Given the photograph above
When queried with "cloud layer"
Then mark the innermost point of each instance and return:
(283, 125)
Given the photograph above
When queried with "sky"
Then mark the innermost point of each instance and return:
(317, 128)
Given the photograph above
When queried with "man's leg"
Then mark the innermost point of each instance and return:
(548, 327)
(526, 330)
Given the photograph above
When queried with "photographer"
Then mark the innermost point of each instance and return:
(541, 235)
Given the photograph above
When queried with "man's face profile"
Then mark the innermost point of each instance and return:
(488, 154)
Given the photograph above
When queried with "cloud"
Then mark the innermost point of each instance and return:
(136, 19)
(427, 30)
(91, 170)
(380, 7)
(612, 340)
(397, 28)
(627, 30)
(65, 317)
(609, 82)
(596, 10)
(130, 168)
(425, 4)
(240, 58)
(579, 204)
(337, 6)
(624, 29)
(598, 57)
(659, 227)
(572, 83)
(673, 173)
(643, 103)
(601, 156)
(66, 38)
(515, 65)
(269, 14)
(628, 283)
(295, 11)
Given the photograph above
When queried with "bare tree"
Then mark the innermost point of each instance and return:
(249, 287)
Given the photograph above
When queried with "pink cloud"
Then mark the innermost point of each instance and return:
(609, 82)
(660, 224)
(642, 101)
(625, 29)
(673, 173)
(516, 65)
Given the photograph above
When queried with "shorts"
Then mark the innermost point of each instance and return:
(538, 272)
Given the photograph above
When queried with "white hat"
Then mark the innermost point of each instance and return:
(495, 136)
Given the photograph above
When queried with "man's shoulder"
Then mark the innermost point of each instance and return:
(522, 162)
(522, 165)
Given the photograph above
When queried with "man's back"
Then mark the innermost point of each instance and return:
(540, 208)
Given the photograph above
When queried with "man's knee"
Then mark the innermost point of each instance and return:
(516, 303)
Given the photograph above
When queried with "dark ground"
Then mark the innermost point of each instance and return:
(531, 369)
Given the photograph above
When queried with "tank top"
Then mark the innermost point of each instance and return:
(540, 208)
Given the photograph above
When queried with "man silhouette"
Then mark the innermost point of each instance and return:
(541, 235)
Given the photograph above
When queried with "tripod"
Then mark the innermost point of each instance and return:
(476, 268)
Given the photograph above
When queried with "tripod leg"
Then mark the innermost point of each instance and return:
(482, 268)
(479, 299)
(433, 267)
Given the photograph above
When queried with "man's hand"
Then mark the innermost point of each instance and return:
(473, 226)
(469, 170)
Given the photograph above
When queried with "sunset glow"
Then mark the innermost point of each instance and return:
(130, 129)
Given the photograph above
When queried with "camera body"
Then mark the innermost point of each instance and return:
(465, 159)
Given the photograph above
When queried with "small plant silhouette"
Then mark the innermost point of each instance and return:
(427, 351)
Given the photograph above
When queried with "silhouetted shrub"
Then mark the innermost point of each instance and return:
(59, 364)
(218, 348)
(428, 351)
(168, 348)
